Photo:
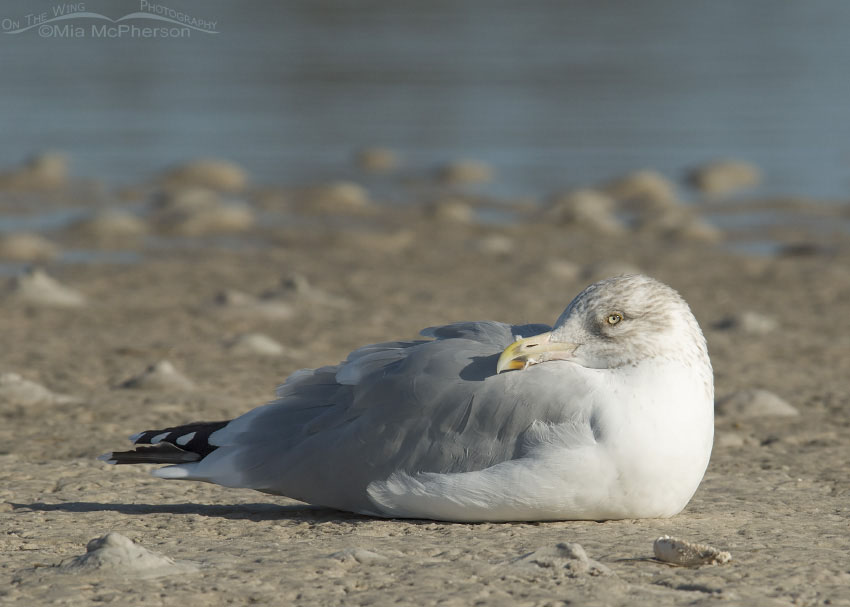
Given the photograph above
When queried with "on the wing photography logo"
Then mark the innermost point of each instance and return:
(72, 20)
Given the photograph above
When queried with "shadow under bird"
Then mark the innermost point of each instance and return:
(609, 414)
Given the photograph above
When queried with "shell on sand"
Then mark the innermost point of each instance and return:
(36, 287)
(683, 553)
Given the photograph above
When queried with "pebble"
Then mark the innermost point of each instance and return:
(376, 159)
(465, 171)
(25, 246)
(255, 343)
(119, 556)
(724, 177)
(199, 211)
(159, 376)
(111, 224)
(754, 403)
(589, 209)
(185, 201)
(568, 558)
(450, 210)
(683, 553)
(15, 390)
(643, 190)
(678, 223)
(37, 288)
(44, 171)
(219, 175)
(337, 197)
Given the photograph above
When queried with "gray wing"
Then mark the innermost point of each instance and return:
(412, 406)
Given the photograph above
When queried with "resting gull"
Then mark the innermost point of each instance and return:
(606, 415)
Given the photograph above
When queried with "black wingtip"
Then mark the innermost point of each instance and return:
(161, 453)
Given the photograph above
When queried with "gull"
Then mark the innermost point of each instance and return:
(608, 414)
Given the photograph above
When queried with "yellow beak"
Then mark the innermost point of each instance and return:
(532, 350)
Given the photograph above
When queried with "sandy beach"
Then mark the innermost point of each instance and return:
(236, 286)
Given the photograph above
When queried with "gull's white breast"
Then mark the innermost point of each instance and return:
(636, 446)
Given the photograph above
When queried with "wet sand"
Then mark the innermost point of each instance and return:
(322, 273)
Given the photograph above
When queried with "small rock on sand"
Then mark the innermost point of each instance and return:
(465, 171)
(117, 555)
(376, 159)
(643, 190)
(15, 390)
(450, 210)
(724, 176)
(111, 224)
(683, 553)
(24, 246)
(255, 343)
(159, 376)
(37, 288)
(678, 223)
(199, 211)
(44, 171)
(565, 558)
(219, 175)
(337, 197)
(754, 403)
(589, 209)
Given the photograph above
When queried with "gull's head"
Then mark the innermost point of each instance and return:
(613, 323)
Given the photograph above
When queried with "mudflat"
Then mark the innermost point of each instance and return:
(197, 313)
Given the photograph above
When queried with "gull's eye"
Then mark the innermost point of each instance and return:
(614, 318)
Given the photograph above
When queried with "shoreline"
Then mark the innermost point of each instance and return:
(351, 272)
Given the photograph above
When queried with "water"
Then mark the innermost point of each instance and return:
(553, 94)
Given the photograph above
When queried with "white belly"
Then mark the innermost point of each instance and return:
(637, 449)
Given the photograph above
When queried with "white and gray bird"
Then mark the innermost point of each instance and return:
(607, 415)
